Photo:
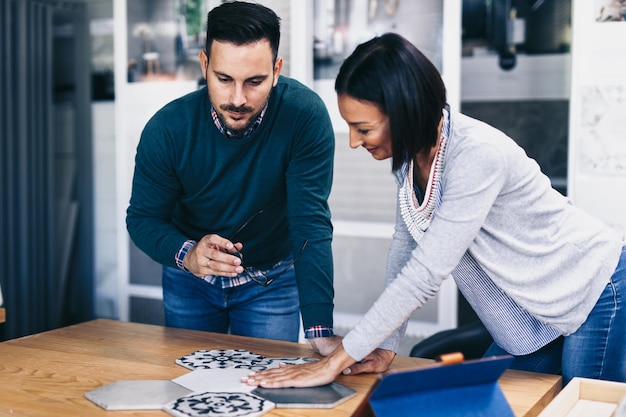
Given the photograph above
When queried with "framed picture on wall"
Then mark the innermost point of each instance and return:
(610, 10)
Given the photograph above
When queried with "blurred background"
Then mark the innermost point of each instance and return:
(80, 78)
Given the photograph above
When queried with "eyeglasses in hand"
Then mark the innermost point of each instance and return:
(256, 275)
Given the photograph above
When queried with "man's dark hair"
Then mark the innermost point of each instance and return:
(393, 74)
(241, 23)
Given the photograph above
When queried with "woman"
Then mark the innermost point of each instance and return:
(546, 279)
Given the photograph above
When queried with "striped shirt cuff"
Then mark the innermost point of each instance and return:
(318, 331)
(180, 255)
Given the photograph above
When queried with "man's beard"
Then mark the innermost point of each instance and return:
(241, 109)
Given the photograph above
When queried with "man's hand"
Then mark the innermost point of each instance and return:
(376, 362)
(214, 255)
(325, 345)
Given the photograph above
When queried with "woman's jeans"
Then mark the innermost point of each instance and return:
(596, 350)
(271, 312)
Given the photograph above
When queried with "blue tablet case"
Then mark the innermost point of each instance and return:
(468, 388)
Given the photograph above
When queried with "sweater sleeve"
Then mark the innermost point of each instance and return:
(309, 179)
(155, 191)
(469, 191)
(400, 249)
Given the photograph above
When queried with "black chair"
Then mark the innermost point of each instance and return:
(472, 340)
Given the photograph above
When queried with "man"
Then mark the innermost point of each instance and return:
(230, 191)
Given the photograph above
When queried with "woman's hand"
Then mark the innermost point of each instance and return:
(377, 361)
(310, 374)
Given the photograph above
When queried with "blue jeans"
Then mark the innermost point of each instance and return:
(271, 312)
(596, 350)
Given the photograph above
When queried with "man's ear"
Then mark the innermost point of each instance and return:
(278, 66)
(204, 62)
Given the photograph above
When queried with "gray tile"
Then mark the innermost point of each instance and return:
(136, 395)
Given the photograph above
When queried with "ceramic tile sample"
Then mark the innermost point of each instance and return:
(222, 404)
(136, 395)
(205, 380)
(222, 358)
(275, 362)
(234, 358)
(325, 396)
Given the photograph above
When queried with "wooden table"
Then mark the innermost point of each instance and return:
(48, 374)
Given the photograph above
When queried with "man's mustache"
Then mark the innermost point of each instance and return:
(233, 108)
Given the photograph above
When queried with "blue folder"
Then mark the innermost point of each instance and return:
(467, 388)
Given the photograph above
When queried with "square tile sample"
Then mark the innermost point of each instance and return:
(222, 404)
(217, 379)
(136, 395)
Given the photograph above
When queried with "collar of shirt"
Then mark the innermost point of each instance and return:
(230, 134)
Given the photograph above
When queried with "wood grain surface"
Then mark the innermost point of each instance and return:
(48, 374)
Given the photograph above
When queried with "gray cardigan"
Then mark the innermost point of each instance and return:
(551, 258)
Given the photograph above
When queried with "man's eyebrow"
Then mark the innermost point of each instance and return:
(220, 74)
(253, 77)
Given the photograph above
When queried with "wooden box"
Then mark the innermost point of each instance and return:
(586, 397)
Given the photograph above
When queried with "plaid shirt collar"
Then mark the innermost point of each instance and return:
(230, 134)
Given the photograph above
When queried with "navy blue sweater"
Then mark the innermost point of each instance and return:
(190, 180)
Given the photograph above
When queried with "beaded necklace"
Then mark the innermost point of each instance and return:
(418, 216)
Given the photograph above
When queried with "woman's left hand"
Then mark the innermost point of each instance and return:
(376, 362)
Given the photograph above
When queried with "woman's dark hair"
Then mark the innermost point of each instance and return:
(393, 74)
(242, 23)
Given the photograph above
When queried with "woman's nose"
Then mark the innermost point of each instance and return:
(355, 141)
